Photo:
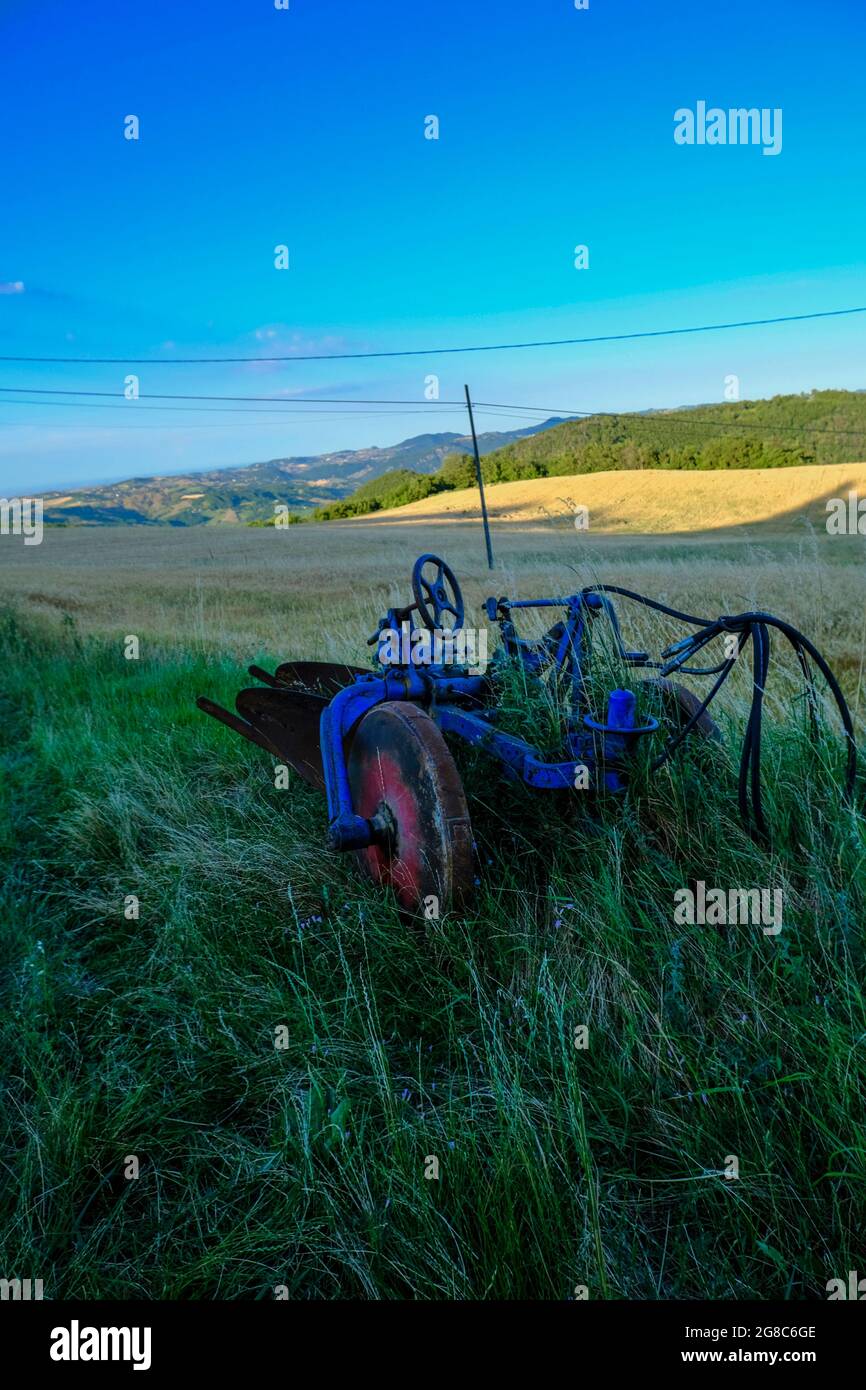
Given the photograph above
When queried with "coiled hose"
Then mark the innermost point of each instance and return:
(754, 626)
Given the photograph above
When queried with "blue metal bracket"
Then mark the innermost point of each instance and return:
(441, 690)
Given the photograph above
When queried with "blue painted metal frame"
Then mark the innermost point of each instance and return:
(453, 697)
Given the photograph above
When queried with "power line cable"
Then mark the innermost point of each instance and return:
(664, 417)
(132, 407)
(175, 396)
(409, 407)
(439, 351)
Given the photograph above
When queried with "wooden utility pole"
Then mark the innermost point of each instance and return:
(480, 481)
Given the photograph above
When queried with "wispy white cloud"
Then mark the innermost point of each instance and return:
(11, 286)
(278, 340)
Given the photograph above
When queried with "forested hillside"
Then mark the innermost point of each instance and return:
(820, 427)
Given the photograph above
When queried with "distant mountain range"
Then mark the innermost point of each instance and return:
(812, 427)
(249, 492)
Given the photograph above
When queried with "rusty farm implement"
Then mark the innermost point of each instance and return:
(374, 740)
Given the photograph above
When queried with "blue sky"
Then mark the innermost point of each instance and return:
(305, 127)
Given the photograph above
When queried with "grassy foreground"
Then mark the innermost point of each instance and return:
(304, 1166)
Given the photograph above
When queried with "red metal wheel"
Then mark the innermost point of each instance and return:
(399, 765)
(677, 704)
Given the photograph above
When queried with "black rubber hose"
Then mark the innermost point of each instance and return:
(754, 625)
(674, 743)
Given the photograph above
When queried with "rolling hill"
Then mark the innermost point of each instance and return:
(249, 492)
(652, 502)
(818, 427)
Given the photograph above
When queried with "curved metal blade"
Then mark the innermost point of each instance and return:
(320, 677)
(231, 721)
(289, 721)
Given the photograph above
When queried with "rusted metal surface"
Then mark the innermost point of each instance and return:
(400, 767)
(679, 704)
(289, 721)
(374, 739)
(231, 721)
(321, 677)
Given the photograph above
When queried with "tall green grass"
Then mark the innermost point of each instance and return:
(304, 1166)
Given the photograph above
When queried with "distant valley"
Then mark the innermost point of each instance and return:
(249, 492)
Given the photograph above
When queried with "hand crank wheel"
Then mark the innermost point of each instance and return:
(437, 595)
(400, 768)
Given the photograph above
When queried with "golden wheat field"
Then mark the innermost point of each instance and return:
(661, 501)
